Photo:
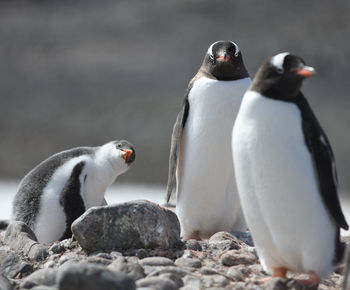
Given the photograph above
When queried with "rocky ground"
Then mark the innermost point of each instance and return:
(147, 255)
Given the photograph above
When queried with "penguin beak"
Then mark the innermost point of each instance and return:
(306, 71)
(224, 58)
(126, 153)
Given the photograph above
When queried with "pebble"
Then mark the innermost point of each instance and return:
(156, 261)
(84, 276)
(157, 283)
(128, 265)
(236, 257)
(12, 265)
(46, 277)
(188, 262)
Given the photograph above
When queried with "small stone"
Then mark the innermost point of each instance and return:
(100, 261)
(188, 262)
(156, 261)
(224, 241)
(157, 283)
(3, 224)
(193, 245)
(45, 277)
(115, 255)
(128, 265)
(245, 237)
(104, 256)
(173, 277)
(20, 237)
(5, 283)
(238, 273)
(171, 270)
(191, 283)
(56, 248)
(82, 276)
(130, 225)
(208, 271)
(43, 287)
(12, 265)
(235, 257)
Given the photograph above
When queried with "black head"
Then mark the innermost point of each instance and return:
(128, 150)
(281, 76)
(224, 61)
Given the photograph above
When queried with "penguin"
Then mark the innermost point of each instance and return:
(61, 188)
(286, 174)
(199, 168)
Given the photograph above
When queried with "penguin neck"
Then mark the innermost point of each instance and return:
(99, 176)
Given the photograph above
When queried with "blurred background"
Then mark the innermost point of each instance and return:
(76, 73)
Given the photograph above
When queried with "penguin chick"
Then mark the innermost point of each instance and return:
(61, 188)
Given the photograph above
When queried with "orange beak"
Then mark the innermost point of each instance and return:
(306, 71)
(126, 153)
(224, 58)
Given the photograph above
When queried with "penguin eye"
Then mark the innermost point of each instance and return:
(236, 53)
(119, 145)
(279, 70)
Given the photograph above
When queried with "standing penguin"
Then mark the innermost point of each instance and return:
(199, 167)
(286, 174)
(57, 191)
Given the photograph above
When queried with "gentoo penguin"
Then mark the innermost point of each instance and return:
(58, 190)
(199, 167)
(286, 174)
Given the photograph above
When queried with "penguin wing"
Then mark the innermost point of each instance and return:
(324, 162)
(175, 146)
(71, 199)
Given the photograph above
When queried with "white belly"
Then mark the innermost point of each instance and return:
(278, 188)
(207, 198)
(50, 223)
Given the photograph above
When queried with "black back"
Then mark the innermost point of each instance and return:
(27, 200)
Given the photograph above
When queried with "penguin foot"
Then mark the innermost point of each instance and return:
(194, 236)
(280, 272)
(312, 281)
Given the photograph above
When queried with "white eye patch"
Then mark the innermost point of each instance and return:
(278, 60)
(210, 49)
(236, 48)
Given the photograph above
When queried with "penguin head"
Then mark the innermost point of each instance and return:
(224, 61)
(120, 154)
(281, 76)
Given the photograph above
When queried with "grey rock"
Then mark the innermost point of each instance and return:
(104, 256)
(70, 256)
(20, 237)
(156, 261)
(3, 224)
(5, 283)
(83, 276)
(208, 271)
(224, 241)
(173, 277)
(191, 283)
(157, 283)
(193, 245)
(245, 237)
(238, 273)
(128, 265)
(137, 224)
(56, 248)
(115, 255)
(214, 281)
(97, 260)
(12, 265)
(237, 257)
(188, 262)
(46, 277)
(170, 269)
(43, 287)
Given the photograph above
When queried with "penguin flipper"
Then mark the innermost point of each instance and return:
(175, 147)
(324, 162)
(71, 199)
